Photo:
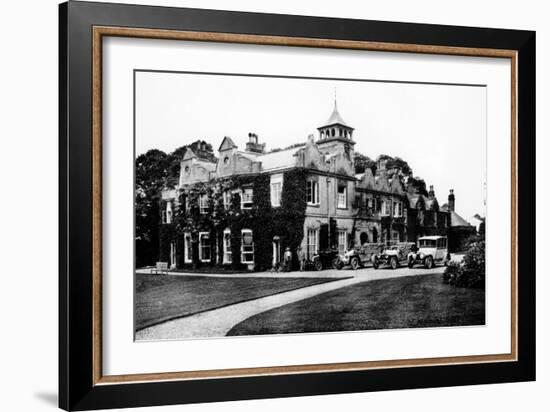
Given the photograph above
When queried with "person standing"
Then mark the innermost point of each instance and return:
(301, 258)
(288, 259)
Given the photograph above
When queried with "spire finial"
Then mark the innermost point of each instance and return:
(335, 102)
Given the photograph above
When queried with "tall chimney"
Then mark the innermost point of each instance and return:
(252, 145)
(431, 193)
(452, 200)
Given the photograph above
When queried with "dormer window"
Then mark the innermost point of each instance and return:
(226, 160)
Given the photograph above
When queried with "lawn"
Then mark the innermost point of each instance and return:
(159, 298)
(407, 302)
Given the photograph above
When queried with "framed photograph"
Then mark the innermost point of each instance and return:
(256, 205)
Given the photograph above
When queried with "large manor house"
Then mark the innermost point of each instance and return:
(243, 208)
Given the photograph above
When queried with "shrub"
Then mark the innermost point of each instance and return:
(471, 273)
(451, 272)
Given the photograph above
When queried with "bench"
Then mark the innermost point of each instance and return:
(160, 268)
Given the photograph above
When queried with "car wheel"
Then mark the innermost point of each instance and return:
(394, 264)
(336, 264)
(355, 263)
(411, 263)
(318, 266)
(429, 262)
(375, 264)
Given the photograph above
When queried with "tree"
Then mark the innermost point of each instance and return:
(398, 163)
(418, 184)
(362, 162)
(151, 171)
(201, 148)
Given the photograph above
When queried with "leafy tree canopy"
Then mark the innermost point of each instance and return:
(418, 185)
(396, 163)
(201, 148)
(362, 162)
(151, 169)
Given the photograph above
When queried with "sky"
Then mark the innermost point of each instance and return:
(440, 130)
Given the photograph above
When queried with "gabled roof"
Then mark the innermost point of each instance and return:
(396, 186)
(227, 143)
(457, 220)
(431, 203)
(189, 154)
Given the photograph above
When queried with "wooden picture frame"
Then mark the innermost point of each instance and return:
(82, 27)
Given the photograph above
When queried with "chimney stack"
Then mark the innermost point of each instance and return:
(431, 193)
(252, 145)
(452, 200)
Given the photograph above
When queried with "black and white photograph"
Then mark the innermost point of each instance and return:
(268, 205)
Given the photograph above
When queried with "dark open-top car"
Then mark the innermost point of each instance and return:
(326, 259)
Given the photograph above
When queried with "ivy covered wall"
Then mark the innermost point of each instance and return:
(265, 221)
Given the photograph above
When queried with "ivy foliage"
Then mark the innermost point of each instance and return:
(150, 174)
(265, 221)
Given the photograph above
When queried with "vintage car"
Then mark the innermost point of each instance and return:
(325, 259)
(360, 256)
(431, 250)
(394, 255)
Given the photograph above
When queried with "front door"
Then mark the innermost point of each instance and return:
(374, 235)
(323, 237)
